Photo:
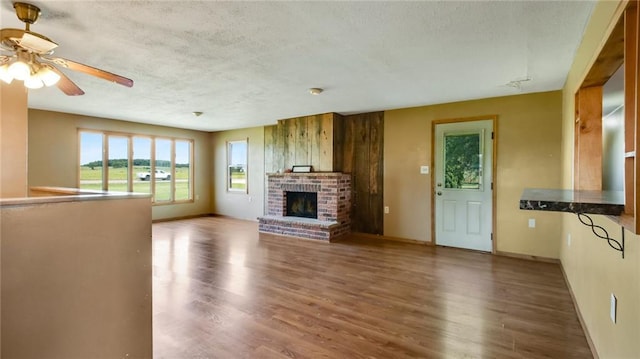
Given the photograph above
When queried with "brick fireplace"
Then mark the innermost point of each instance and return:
(333, 204)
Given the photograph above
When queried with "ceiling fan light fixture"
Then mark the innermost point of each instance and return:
(33, 82)
(4, 74)
(48, 77)
(31, 61)
(27, 13)
(19, 70)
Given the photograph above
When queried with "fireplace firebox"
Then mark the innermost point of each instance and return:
(302, 204)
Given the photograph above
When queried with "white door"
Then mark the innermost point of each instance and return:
(463, 184)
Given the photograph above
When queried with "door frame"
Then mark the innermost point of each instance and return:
(494, 163)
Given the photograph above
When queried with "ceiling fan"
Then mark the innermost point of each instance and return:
(31, 59)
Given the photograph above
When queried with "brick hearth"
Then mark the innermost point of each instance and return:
(334, 203)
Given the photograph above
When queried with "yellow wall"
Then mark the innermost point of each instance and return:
(529, 130)
(593, 269)
(53, 154)
(13, 140)
(239, 205)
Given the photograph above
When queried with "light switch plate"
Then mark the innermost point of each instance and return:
(532, 223)
(424, 170)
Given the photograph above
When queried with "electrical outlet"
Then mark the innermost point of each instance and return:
(386, 209)
(568, 239)
(532, 223)
(614, 308)
(250, 199)
(424, 170)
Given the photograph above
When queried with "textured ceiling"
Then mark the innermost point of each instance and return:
(248, 64)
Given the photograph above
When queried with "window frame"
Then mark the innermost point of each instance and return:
(131, 177)
(230, 164)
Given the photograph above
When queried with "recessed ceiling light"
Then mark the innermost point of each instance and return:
(315, 90)
(197, 113)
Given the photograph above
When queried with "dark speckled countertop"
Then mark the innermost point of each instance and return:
(560, 200)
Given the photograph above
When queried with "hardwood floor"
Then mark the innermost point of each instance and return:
(221, 290)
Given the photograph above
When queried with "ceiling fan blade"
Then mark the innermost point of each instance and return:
(9, 38)
(66, 85)
(89, 70)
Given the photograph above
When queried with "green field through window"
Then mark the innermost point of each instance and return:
(178, 175)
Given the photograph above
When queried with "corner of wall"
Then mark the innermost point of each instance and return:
(592, 269)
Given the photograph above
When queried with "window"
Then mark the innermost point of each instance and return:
(163, 170)
(141, 164)
(463, 160)
(237, 165)
(90, 171)
(183, 171)
(118, 168)
(134, 163)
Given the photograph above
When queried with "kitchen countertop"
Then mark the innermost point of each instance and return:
(560, 200)
(41, 195)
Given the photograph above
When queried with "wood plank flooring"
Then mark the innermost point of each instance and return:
(221, 290)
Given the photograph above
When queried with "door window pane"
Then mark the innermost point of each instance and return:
(163, 170)
(118, 171)
(237, 165)
(142, 164)
(463, 161)
(91, 160)
(183, 171)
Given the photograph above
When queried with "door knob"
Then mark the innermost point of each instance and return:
(439, 193)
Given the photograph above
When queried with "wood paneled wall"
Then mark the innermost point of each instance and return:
(334, 143)
(304, 140)
(587, 156)
(358, 147)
